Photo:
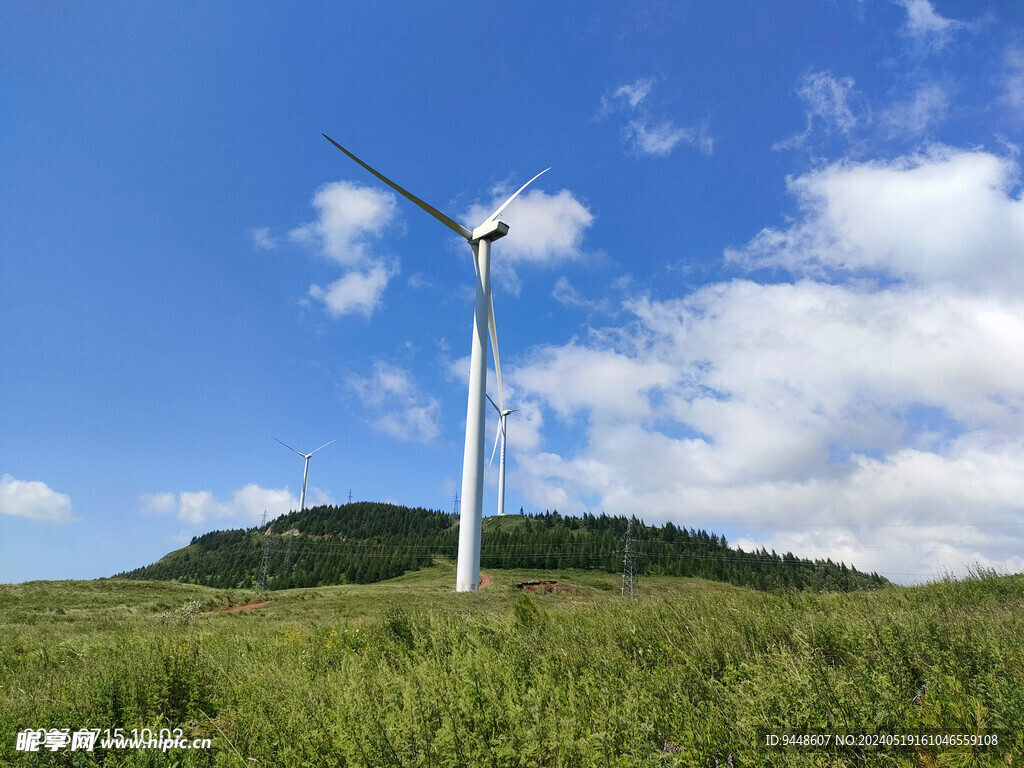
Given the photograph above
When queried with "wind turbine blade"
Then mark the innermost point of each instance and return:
(450, 223)
(493, 403)
(497, 435)
(290, 448)
(490, 328)
(323, 446)
(504, 205)
(494, 347)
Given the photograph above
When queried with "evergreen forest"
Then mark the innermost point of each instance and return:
(367, 542)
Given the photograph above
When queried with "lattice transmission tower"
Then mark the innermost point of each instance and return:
(628, 563)
(288, 551)
(266, 554)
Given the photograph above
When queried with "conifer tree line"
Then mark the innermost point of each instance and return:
(366, 542)
(551, 541)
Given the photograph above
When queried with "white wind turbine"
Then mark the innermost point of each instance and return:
(502, 435)
(305, 471)
(467, 578)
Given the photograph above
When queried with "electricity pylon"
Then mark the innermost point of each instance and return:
(628, 563)
(266, 554)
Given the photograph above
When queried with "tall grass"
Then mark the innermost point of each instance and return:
(408, 674)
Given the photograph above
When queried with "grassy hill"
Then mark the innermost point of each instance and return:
(367, 542)
(408, 673)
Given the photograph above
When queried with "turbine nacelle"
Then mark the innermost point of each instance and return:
(491, 229)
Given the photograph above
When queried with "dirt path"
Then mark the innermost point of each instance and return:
(246, 607)
(485, 581)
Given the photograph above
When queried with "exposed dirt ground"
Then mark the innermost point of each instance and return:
(246, 607)
(548, 586)
(485, 581)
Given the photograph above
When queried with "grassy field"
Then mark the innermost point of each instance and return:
(407, 673)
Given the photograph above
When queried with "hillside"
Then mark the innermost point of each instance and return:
(406, 672)
(365, 542)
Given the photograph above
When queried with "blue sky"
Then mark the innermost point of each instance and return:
(770, 286)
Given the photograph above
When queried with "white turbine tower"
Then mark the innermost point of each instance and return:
(467, 578)
(305, 471)
(502, 434)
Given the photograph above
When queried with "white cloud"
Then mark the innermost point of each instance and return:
(395, 405)
(317, 496)
(198, 507)
(458, 369)
(829, 99)
(181, 538)
(881, 423)
(524, 426)
(926, 26)
(645, 134)
(262, 239)
(566, 295)
(418, 280)
(545, 230)
(350, 216)
(634, 93)
(416, 423)
(854, 359)
(943, 216)
(645, 137)
(655, 140)
(244, 507)
(925, 110)
(388, 382)
(33, 500)
(753, 403)
(915, 514)
(830, 102)
(356, 292)
(1013, 94)
(703, 139)
(159, 503)
(625, 96)
(250, 502)
(603, 381)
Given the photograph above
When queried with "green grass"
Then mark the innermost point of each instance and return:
(407, 673)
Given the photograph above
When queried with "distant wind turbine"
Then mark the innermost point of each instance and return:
(502, 434)
(305, 471)
(467, 578)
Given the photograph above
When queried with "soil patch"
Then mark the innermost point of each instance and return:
(548, 586)
(246, 607)
(485, 581)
